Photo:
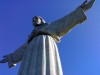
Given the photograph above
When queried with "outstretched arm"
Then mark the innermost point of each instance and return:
(14, 57)
(64, 25)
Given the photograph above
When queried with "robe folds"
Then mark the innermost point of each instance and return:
(40, 56)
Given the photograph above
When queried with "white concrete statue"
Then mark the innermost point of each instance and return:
(39, 55)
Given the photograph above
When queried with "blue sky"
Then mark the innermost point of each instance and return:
(79, 50)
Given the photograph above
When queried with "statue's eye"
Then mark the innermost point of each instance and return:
(35, 18)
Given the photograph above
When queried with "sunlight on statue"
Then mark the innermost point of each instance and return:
(39, 54)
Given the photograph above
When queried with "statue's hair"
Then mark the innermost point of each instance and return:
(42, 20)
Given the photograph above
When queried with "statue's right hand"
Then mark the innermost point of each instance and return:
(4, 60)
(87, 5)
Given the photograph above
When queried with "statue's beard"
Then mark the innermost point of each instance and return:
(39, 23)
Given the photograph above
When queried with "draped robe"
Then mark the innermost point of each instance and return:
(40, 56)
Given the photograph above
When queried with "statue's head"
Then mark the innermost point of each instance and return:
(37, 21)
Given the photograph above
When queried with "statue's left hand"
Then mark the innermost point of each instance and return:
(4, 60)
(87, 5)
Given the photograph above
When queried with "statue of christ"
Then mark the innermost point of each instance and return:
(39, 54)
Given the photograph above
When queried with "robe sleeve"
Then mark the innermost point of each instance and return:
(16, 56)
(65, 24)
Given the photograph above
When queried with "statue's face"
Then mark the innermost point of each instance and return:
(37, 20)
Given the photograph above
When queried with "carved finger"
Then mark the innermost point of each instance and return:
(84, 4)
(4, 56)
(3, 61)
(90, 4)
(85, 1)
